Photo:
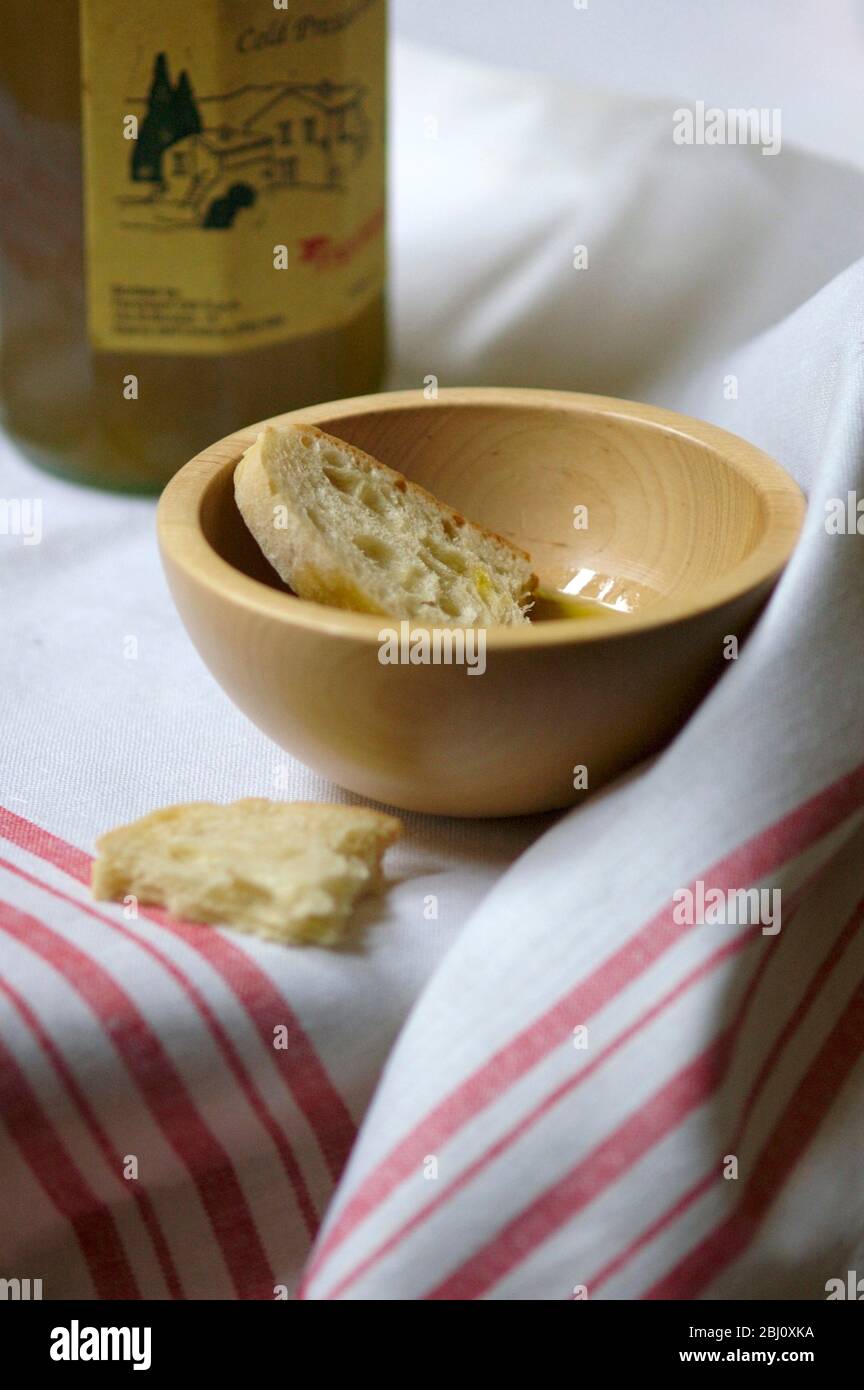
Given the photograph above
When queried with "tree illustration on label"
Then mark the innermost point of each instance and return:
(172, 114)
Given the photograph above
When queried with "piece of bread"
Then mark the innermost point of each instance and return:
(342, 529)
(289, 871)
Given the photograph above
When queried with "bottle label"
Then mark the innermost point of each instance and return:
(234, 170)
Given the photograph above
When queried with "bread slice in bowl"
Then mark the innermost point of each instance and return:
(343, 529)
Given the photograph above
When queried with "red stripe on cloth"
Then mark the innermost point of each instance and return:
(743, 1222)
(709, 1179)
(298, 1064)
(704, 1183)
(22, 832)
(163, 1088)
(690, 1088)
(584, 1183)
(555, 1206)
(223, 1041)
(565, 1088)
(802, 1116)
(113, 1159)
(748, 863)
(560, 1092)
(63, 1183)
(678, 1208)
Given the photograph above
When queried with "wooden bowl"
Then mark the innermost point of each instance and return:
(692, 524)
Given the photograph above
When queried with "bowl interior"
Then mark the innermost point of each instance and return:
(586, 492)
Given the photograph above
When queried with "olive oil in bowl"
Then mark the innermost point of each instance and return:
(590, 594)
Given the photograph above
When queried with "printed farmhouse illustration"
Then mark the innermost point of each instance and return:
(198, 161)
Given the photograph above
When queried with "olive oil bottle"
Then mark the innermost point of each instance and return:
(192, 222)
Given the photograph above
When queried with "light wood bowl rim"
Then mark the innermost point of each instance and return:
(186, 548)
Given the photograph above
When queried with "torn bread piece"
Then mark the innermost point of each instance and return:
(285, 871)
(343, 529)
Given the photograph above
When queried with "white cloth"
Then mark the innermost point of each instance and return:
(498, 1158)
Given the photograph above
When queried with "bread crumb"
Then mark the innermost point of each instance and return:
(285, 871)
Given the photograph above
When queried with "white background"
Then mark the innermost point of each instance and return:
(805, 56)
